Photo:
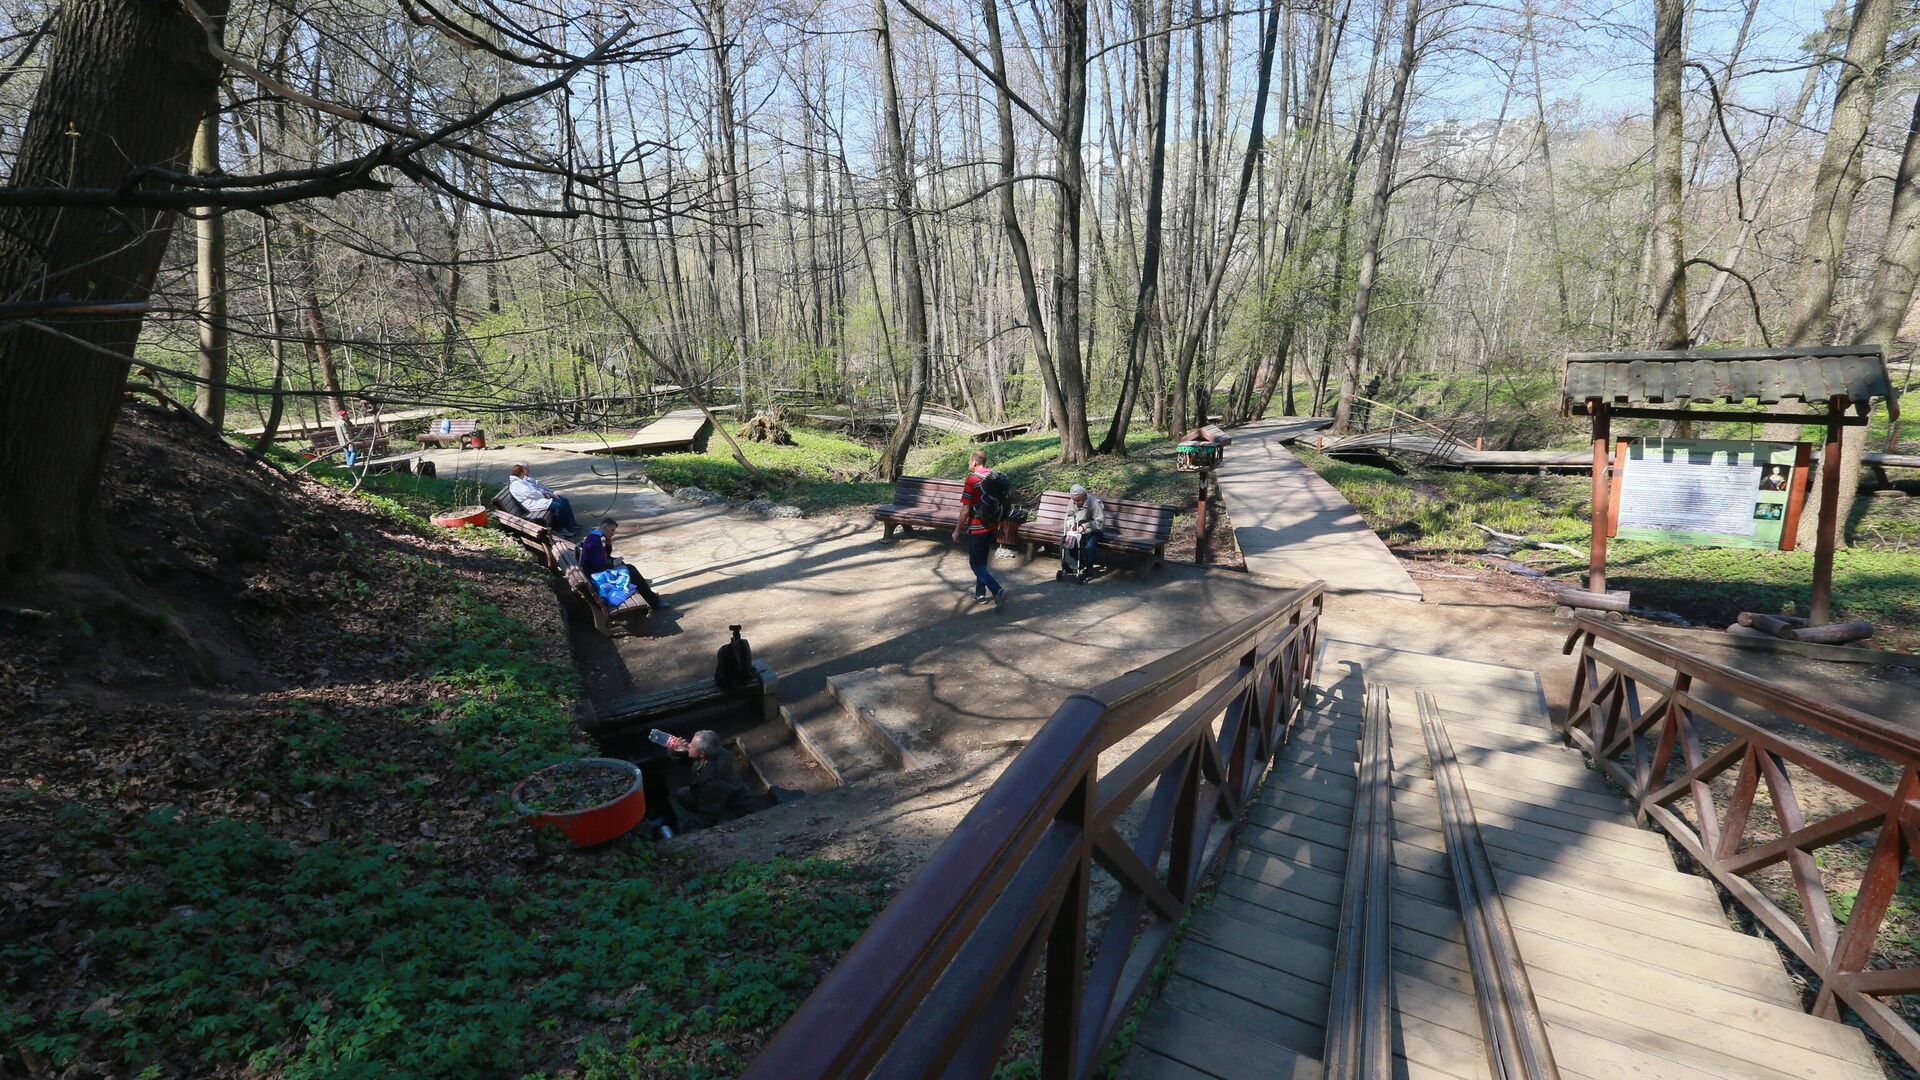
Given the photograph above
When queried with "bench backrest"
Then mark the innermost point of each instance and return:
(453, 427)
(328, 437)
(1138, 520)
(532, 530)
(927, 491)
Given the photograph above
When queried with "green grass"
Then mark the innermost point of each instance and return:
(237, 951)
(219, 946)
(1876, 579)
(821, 471)
(824, 471)
(1031, 462)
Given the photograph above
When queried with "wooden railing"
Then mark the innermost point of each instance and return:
(938, 980)
(1669, 755)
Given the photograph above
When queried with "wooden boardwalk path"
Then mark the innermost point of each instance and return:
(1294, 526)
(675, 431)
(1635, 967)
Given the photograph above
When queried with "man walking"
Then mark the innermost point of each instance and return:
(538, 498)
(978, 523)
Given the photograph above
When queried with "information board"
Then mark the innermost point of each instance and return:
(1712, 493)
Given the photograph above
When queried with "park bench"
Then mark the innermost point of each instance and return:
(465, 434)
(534, 535)
(367, 440)
(1137, 530)
(681, 710)
(611, 621)
(920, 501)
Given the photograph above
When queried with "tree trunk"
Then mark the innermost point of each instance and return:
(1835, 185)
(130, 80)
(1395, 114)
(1210, 291)
(1667, 244)
(1154, 66)
(915, 300)
(210, 280)
(1838, 179)
(1010, 219)
(1071, 77)
(1894, 275)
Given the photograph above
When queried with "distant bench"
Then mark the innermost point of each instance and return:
(367, 441)
(465, 434)
(1138, 529)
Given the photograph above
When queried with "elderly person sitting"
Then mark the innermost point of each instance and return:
(1082, 531)
(540, 501)
(716, 793)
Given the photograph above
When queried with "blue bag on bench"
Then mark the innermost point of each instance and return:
(615, 586)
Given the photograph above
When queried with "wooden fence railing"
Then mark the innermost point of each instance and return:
(938, 980)
(1668, 756)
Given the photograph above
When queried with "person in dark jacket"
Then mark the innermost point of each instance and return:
(717, 793)
(596, 555)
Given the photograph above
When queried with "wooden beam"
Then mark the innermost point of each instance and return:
(1613, 497)
(1597, 555)
(1633, 412)
(1828, 530)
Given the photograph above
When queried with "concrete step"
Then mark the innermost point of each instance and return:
(834, 739)
(886, 706)
(783, 764)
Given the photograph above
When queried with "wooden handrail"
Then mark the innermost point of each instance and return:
(1673, 753)
(936, 982)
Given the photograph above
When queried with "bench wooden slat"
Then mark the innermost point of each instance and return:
(450, 431)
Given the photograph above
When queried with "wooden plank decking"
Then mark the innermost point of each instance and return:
(675, 431)
(1635, 967)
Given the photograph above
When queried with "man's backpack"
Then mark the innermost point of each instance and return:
(735, 664)
(996, 498)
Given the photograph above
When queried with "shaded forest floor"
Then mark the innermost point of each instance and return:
(1429, 515)
(253, 814)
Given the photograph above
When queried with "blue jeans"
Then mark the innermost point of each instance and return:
(560, 514)
(979, 550)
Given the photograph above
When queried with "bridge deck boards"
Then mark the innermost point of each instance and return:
(1635, 966)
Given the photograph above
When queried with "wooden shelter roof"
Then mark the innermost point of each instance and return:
(1705, 376)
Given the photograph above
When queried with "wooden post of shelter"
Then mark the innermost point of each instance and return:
(1597, 554)
(1828, 534)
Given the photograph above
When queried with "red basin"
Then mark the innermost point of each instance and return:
(596, 824)
(466, 515)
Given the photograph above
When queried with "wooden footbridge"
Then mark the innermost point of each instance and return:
(1274, 855)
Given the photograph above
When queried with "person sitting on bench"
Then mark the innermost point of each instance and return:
(717, 793)
(596, 555)
(541, 502)
(1082, 531)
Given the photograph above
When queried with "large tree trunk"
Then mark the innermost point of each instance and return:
(1668, 258)
(1010, 220)
(1891, 294)
(130, 79)
(1071, 76)
(1835, 185)
(895, 459)
(1154, 55)
(1838, 179)
(1395, 116)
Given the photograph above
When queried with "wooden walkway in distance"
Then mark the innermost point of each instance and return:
(1292, 525)
(675, 431)
(1635, 967)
